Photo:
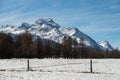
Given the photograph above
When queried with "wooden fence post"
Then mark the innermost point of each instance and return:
(91, 66)
(28, 65)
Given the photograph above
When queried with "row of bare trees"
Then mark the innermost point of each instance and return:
(25, 47)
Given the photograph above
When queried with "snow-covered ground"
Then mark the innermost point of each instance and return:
(59, 69)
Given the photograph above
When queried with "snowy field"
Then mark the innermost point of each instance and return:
(59, 69)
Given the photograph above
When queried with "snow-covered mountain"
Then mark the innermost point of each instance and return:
(106, 45)
(48, 29)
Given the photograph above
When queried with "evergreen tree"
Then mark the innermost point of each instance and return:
(67, 47)
(47, 50)
(24, 45)
(39, 47)
(58, 50)
(6, 46)
(82, 48)
(115, 53)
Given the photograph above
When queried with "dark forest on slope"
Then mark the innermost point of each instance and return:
(25, 47)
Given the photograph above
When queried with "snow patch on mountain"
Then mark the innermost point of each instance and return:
(106, 45)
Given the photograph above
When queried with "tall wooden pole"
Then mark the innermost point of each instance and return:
(28, 65)
(91, 66)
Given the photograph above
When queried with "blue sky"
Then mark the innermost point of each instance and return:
(100, 19)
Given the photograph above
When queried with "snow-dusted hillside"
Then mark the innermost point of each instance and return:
(48, 29)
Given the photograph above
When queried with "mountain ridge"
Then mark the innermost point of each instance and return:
(49, 29)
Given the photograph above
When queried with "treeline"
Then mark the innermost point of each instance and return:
(25, 47)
